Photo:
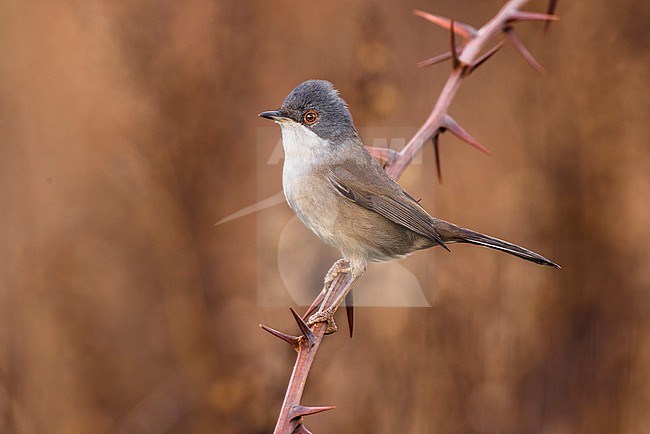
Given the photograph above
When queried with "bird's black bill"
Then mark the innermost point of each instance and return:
(273, 115)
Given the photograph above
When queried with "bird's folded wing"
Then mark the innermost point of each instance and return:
(401, 210)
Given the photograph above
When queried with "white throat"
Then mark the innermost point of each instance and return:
(304, 152)
(303, 146)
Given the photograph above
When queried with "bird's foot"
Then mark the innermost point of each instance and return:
(327, 316)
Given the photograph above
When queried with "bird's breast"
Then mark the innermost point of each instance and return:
(310, 197)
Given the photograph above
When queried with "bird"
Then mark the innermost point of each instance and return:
(342, 194)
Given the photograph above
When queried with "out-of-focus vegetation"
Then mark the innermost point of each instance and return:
(127, 129)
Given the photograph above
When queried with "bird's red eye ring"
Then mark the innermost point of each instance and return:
(310, 117)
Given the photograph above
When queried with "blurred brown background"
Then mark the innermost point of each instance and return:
(128, 128)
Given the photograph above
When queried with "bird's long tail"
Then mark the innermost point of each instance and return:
(451, 233)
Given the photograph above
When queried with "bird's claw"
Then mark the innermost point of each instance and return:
(327, 316)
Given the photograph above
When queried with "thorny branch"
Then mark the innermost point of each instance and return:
(465, 60)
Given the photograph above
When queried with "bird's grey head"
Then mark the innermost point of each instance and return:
(316, 105)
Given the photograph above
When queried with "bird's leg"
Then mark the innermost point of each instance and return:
(340, 266)
(314, 304)
(333, 299)
(331, 304)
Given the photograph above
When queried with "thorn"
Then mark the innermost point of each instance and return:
(349, 310)
(294, 341)
(418, 200)
(464, 30)
(301, 410)
(521, 48)
(304, 328)
(437, 152)
(532, 16)
(459, 132)
(437, 59)
(478, 62)
(454, 53)
(552, 4)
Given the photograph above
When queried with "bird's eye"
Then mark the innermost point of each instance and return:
(310, 117)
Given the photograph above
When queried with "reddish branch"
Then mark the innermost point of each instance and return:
(291, 415)
(465, 60)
